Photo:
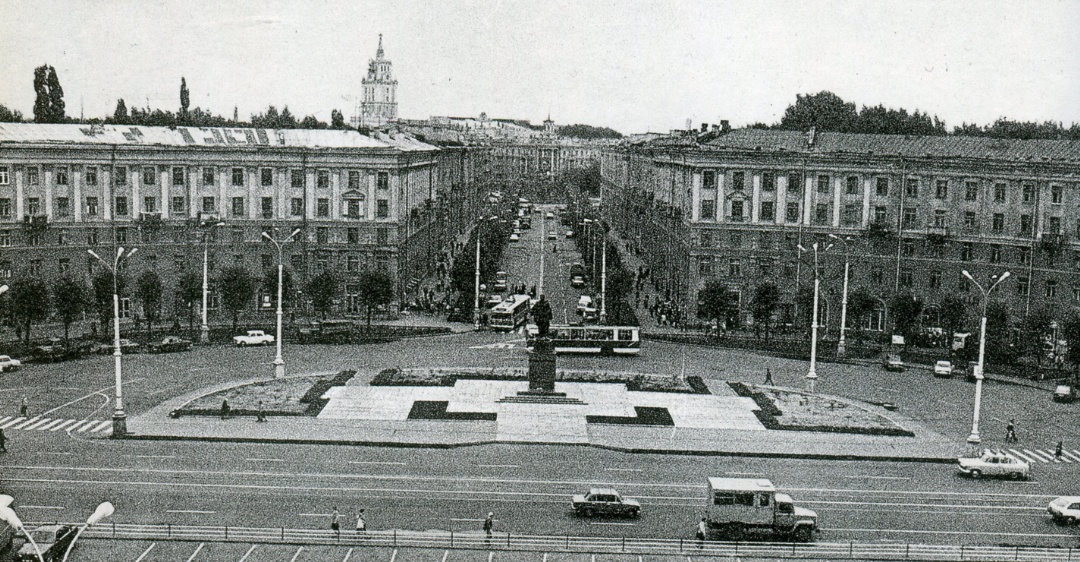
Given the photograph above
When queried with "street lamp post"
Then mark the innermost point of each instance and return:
(279, 362)
(204, 329)
(811, 375)
(840, 345)
(476, 290)
(974, 438)
(8, 516)
(603, 277)
(119, 417)
(104, 510)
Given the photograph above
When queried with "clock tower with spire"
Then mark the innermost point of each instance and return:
(379, 105)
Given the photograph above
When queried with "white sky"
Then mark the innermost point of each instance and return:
(633, 65)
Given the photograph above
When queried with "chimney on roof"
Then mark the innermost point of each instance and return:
(810, 137)
(725, 125)
(704, 127)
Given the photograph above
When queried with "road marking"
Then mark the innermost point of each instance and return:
(860, 476)
(12, 422)
(57, 453)
(195, 511)
(744, 473)
(297, 555)
(314, 515)
(614, 524)
(248, 553)
(145, 552)
(498, 466)
(196, 553)
(347, 555)
(625, 469)
(1039, 455)
(446, 553)
(464, 519)
(934, 532)
(1072, 454)
(1022, 455)
(101, 426)
(41, 507)
(78, 426)
(26, 423)
(38, 424)
(377, 462)
(155, 456)
(47, 427)
(61, 426)
(4, 419)
(265, 460)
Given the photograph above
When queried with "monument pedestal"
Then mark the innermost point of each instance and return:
(542, 378)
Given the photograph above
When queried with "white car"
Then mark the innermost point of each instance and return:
(9, 364)
(515, 237)
(994, 463)
(253, 337)
(1065, 510)
(943, 369)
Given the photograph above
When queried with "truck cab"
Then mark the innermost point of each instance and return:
(738, 506)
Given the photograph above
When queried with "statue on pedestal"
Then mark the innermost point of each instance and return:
(542, 357)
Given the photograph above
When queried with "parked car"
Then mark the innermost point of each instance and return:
(514, 237)
(943, 369)
(569, 233)
(9, 364)
(126, 346)
(170, 344)
(892, 362)
(1065, 393)
(253, 337)
(56, 350)
(604, 501)
(53, 541)
(500, 280)
(1065, 510)
(493, 300)
(552, 235)
(994, 463)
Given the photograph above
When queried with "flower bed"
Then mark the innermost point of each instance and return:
(794, 411)
(448, 377)
(298, 396)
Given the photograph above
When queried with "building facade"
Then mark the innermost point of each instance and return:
(907, 213)
(379, 105)
(381, 202)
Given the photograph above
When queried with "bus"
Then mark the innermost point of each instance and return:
(510, 313)
(600, 340)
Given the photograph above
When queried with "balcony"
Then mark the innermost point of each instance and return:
(878, 230)
(1051, 242)
(937, 234)
(35, 222)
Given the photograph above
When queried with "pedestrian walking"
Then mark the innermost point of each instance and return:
(24, 408)
(702, 528)
(1010, 432)
(361, 524)
(225, 408)
(1057, 451)
(260, 415)
(489, 524)
(3, 441)
(335, 522)
(768, 377)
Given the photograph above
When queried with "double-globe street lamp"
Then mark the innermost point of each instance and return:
(119, 417)
(279, 362)
(811, 375)
(8, 515)
(974, 438)
(476, 292)
(103, 510)
(840, 345)
(204, 329)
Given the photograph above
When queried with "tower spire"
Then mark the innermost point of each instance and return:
(379, 53)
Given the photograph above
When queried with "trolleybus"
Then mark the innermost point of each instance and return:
(510, 313)
(602, 340)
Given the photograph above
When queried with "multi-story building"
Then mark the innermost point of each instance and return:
(908, 214)
(382, 202)
(379, 105)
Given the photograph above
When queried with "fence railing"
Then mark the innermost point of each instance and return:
(568, 543)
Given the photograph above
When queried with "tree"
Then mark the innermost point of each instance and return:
(953, 314)
(322, 289)
(589, 132)
(1034, 330)
(376, 289)
(860, 303)
(120, 114)
(718, 303)
(1070, 331)
(29, 302)
(999, 346)
(189, 292)
(185, 100)
(42, 107)
(337, 120)
(905, 309)
(269, 284)
(56, 98)
(69, 298)
(824, 110)
(237, 289)
(102, 289)
(765, 302)
(10, 115)
(148, 290)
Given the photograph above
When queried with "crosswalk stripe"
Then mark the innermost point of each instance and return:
(25, 423)
(1039, 455)
(1022, 455)
(5, 419)
(102, 426)
(37, 425)
(82, 425)
(63, 425)
(12, 422)
(1071, 455)
(46, 427)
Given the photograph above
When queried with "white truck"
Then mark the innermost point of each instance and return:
(253, 337)
(737, 506)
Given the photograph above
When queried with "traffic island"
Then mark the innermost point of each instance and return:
(792, 410)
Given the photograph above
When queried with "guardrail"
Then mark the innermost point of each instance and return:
(577, 544)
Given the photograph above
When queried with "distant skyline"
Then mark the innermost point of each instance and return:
(634, 66)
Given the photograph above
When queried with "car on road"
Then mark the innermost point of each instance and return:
(1065, 510)
(501, 279)
(169, 344)
(892, 362)
(549, 215)
(126, 346)
(991, 462)
(1065, 393)
(552, 236)
(943, 369)
(9, 364)
(52, 540)
(569, 233)
(493, 300)
(515, 237)
(253, 337)
(604, 502)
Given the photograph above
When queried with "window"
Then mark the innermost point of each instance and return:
(296, 206)
(881, 215)
(1056, 194)
(935, 279)
(208, 205)
(734, 267)
(150, 204)
(354, 208)
(852, 214)
(268, 207)
(62, 207)
(352, 264)
(768, 181)
(178, 176)
(91, 206)
(995, 253)
(882, 187)
(1054, 225)
(91, 175)
(121, 235)
(939, 218)
(999, 192)
(1025, 224)
(998, 222)
(32, 177)
(908, 248)
(297, 262)
(738, 179)
(1024, 255)
(970, 222)
(768, 211)
(911, 188)
(322, 234)
(120, 177)
(967, 249)
(238, 206)
(322, 179)
(907, 279)
(794, 182)
(821, 214)
(942, 189)
(1028, 193)
(706, 239)
(266, 176)
(382, 209)
(179, 205)
(5, 238)
(208, 176)
(65, 265)
(353, 235)
(853, 185)
(823, 183)
(1051, 288)
(5, 269)
(238, 177)
(354, 179)
(736, 211)
(971, 191)
(121, 206)
(61, 175)
(149, 176)
(792, 212)
(33, 206)
(322, 207)
(708, 209)
(296, 178)
(910, 219)
(382, 236)
(705, 266)
(35, 267)
(5, 207)
(1022, 285)
(708, 179)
